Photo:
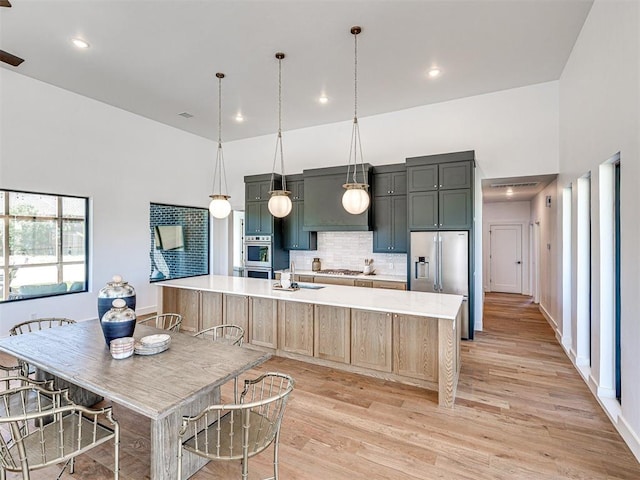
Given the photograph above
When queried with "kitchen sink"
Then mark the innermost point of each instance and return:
(312, 286)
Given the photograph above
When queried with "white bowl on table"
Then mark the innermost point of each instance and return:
(121, 347)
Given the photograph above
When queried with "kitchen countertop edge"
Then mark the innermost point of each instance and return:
(423, 304)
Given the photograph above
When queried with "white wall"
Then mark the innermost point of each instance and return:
(513, 132)
(502, 213)
(59, 142)
(55, 141)
(549, 252)
(599, 116)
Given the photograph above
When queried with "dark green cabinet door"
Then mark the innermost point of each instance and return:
(383, 224)
(423, 210)
(252, 218)
(390, 220)
(257, 191)
(258, 220)
(290, 228)
(422, 178)
(297, 190)
(399, 214)
(454, 175)
(294, 237)
(391, 183)
(455, 209)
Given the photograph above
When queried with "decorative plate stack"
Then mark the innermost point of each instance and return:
(152, 344)
(121, 347)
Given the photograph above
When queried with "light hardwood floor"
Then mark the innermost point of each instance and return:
(522, 412)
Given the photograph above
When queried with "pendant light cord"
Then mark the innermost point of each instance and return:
(219, 171)
(355, 146)
(279, 56)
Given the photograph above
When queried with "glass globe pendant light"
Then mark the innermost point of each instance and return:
(355, 199)
(279, 204)
(220, 207)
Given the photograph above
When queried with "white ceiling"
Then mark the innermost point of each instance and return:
(158, 58)
(514, 189)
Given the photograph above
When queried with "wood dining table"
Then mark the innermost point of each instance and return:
(163, 387)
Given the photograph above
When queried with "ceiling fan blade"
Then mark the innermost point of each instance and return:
(12, 60)
(5, 3)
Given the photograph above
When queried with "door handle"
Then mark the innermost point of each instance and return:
(440, 263)
(518, 262)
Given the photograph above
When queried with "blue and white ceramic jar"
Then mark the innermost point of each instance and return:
(118, 322)
(116, 288)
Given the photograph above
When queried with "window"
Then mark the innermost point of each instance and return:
(179, 239)
(43, 245)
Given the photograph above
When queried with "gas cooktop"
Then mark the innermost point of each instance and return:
(340, 271)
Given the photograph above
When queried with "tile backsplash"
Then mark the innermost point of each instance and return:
(348, 250)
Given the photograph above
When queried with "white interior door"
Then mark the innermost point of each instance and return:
(505, 261)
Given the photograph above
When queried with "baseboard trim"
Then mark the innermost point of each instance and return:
(550, 320)
(609, 404)
(629, 436)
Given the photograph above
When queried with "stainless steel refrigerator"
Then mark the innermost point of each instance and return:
(439, 263)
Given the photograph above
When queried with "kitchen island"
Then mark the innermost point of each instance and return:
(405, 336)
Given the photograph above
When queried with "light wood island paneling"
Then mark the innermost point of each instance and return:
(332, 333)
(371, 339)
(199, 309)
(403, 336)
(236, 312)
(263, 319)
(415, 347)
(295, 327)
(210, 310)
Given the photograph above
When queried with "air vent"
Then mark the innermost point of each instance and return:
(514, 185)
(185, 115)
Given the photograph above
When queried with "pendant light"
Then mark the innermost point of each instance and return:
(279, 203)
(220, 207)
(355, 199)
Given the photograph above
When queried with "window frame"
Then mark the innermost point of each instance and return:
(59, 219)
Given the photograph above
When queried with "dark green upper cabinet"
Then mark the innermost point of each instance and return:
(323, 210)
(295, 185)
(257, 191)
(423, 210)
(440, 191)
(454, 209)
(390, 224)
(390, 209)
(257, 218)
(422, 178)
(454, 175)
(294, 237)
(390, 183)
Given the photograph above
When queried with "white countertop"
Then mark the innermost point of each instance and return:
(361, 276)
(438, 305)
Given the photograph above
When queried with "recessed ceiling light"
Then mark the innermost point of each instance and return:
(323, 99)
(239, 117)
(434, 72)
(78, 42)
(509, 192)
